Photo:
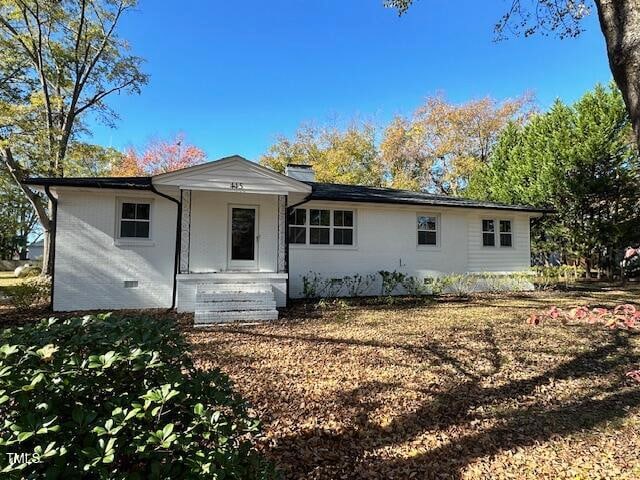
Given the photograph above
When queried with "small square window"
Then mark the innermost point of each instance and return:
(319, 217)
(343, 236)
(129, 211)
(343, 218)
(298, 217)
(506, 240)
(319, 236)
(427, 238)
(297, 235)
(127, 229)
(488, 239)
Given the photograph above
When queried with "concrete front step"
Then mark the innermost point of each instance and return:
(202, 297)
(234, 302)
(235, 287)
(211, 318)
(235, 306)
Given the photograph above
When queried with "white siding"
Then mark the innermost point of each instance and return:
(90, 266)
(209, 230)
(499, 259)
(386, 239)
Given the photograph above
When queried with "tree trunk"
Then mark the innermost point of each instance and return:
(19, 175)
(620, 24)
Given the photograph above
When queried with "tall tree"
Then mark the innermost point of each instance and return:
(619, 22)
(60, 61)
(444, 143)
(159, 156)
(340, 156)
(582, 161)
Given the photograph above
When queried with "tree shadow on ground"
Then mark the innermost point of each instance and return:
(457, 407)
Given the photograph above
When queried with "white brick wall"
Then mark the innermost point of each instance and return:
(92, 266)
(386, 239)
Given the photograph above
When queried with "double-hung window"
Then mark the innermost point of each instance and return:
(135, 219)
(320, 230)
(322, 226)
(488, 233)
(297, 226)
(343, 227)
(504, 232)
(506, 235)
(427, 226)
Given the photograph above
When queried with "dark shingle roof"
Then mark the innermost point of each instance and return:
(320, 191)
(93, 182)
(356, 193)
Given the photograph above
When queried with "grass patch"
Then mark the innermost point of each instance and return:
(460, 389)
(7, 279)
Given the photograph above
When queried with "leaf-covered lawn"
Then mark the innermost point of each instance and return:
(451, 389)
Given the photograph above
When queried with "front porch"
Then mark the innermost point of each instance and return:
(232, 263)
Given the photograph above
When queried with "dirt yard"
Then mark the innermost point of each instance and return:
(448, 389)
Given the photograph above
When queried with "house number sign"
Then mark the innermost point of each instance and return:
(237, 186)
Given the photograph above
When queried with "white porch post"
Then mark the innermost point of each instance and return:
(185, 237)
(282, 225)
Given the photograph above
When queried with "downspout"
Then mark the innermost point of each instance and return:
(176, 260)
(289, 209)
(52, 241)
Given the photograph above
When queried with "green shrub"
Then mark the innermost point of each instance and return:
(414, 286)
(357, 284)
(545, 278)
(390, 281)
(109, 397)
(30, 292)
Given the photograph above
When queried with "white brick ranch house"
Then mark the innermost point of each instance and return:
(231, 239)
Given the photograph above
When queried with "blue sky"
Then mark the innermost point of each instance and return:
(234, 75)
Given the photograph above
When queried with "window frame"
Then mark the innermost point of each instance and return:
(142, 241)
(331, 228)
(438, 229)
(497, 243)
(510, 233)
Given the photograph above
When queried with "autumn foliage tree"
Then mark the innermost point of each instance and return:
(159, 156)
(436, 149)
(440, 147)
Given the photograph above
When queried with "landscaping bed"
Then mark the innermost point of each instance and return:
(448, 388)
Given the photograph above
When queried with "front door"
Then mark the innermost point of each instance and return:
(243, 237)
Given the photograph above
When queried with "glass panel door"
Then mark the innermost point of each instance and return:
(243, 236)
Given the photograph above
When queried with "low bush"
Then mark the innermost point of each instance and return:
(357, 285)
(545, 278)
(390, 281)
(30, 292)
(118, 397)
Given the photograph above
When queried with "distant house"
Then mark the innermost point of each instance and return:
(231, 239)
(35, 250)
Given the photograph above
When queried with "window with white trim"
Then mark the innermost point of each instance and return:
(488, 233)
(297, 226)
(506, 233)
(343, 227)
(134, 220)
(322, 226)
(502, 229)
(427, 226)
